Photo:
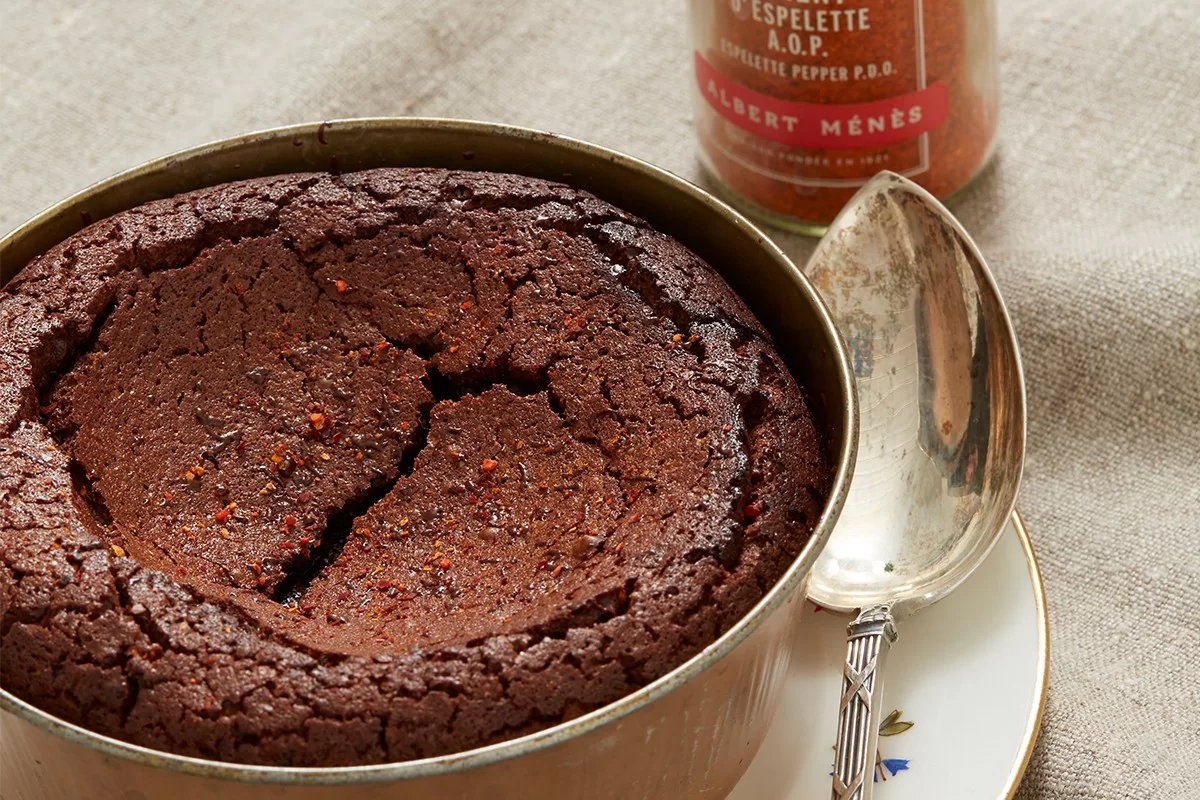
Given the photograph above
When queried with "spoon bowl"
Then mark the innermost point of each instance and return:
(941, 394)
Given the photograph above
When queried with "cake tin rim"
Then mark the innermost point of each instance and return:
(783, 589)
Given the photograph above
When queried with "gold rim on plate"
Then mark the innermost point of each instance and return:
(1033, 726)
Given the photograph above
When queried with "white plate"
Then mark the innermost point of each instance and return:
(969, 673)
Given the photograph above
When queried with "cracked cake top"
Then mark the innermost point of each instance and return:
(326, 470)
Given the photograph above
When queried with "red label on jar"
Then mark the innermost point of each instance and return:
(874, 124)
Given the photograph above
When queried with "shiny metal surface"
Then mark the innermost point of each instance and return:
(869, 639)
(941, 394)
(689, 734)
(943, 433)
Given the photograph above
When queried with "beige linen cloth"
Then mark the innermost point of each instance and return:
(1090, 219)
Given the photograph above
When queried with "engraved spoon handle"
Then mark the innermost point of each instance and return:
(869, 639)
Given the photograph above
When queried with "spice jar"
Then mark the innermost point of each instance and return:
(800, 102)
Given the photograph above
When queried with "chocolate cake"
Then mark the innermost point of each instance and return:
(327, 470)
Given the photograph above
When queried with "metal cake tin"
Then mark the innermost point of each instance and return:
(690, 733)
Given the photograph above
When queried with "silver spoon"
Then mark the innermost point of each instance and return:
(942, 438)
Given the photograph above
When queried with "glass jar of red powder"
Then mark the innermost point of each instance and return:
(800, 102)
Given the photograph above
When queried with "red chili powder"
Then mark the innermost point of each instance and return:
(802, 101)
